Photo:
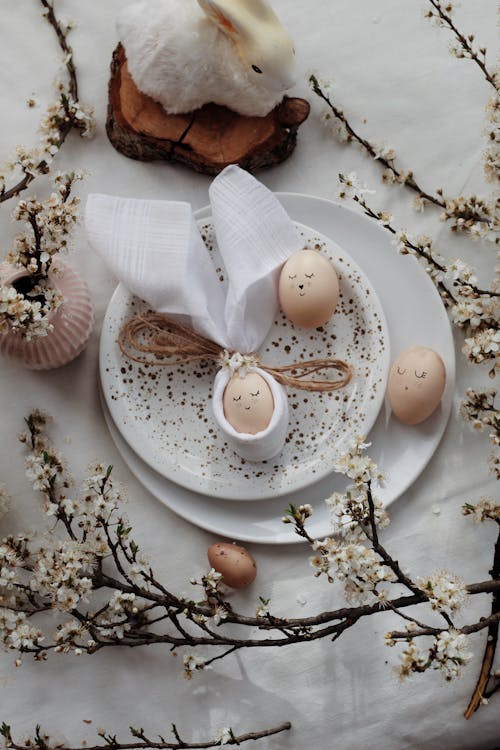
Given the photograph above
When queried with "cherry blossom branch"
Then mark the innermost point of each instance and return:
(61, 118)
(479, 694)
(42, 741)
(465, 212)
(442, 14)
(98, 556)
(472, 308)
(472, 214)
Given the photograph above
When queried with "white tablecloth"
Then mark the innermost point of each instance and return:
(393, 72)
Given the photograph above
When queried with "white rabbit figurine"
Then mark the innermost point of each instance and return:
(186, 53)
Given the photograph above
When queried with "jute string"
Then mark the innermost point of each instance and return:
(154, 339)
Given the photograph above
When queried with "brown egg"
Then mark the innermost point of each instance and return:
(308, 289)
(416, 384)
(235, 563)
(248, 403)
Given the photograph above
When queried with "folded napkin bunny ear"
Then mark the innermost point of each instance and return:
(156, 251)
(255, 236)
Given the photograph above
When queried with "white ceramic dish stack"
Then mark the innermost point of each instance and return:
(193, 454)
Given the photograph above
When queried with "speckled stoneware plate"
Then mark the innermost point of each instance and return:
(165, 414)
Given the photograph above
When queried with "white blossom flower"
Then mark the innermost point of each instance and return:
(483, 345)
(351, 187)
(451, 653)
(224, 736)
(382, 151)
(485, 508)
(458, 270)
(191, 663)
(413, 659)
(445, 591)
(357, 566)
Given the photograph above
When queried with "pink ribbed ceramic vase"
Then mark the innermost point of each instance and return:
(72, 322)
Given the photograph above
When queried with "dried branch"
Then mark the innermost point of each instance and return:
(480, 690)
(42, 741)
(442, 14)
(472, 308)
(466, 213)
(64, 116)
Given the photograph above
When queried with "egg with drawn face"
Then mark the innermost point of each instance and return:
(416, 383)
(308, 289)
(248, 403)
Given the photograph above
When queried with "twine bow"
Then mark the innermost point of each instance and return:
(153, 338)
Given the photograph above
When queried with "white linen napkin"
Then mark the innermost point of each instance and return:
(156, 250)
(255, 237)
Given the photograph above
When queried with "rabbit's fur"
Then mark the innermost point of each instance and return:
(180, 58)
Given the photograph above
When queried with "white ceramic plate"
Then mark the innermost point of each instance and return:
(415, 316)
(165, 414)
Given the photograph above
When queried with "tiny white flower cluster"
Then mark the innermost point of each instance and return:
(482, 346)
(41, 470)
(351, 187)
(345, 557)
(358, 467)
(63, 572)
(492, 152)
(191, 664)
(28, 303)
(27, 315)
(335, 126)
(122, 609)
(68, 636)
(225, 735)
(357, 566)
(471, 214)
(16, 632)
(63, 114)
(445, 592)
(350, 513)
(238, 363)
(452, 653)
(49, 224)
(448, 653)
(485, 509)
(478, 409)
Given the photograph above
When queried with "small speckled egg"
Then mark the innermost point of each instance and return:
(236, 565)
(248, 403)
(416, 384)
(308, 289)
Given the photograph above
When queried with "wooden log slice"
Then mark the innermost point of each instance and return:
(208, 139)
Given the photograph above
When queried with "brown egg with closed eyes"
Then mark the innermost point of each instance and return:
(308, 289)
(416, 383)
(248, 403)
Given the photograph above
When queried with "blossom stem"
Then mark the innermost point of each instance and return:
(144, 742)
(464, 42)
(422, 253)
(491, 641)
(64, 127)
(486, 622)
(406, 178)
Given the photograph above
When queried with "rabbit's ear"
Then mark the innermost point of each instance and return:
(233, 17)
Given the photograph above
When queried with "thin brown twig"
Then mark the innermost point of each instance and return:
(64, 127)
(403, 178)
(491, 641)
(465, 43)
(143, 742)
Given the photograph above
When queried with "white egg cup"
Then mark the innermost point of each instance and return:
(265, 444)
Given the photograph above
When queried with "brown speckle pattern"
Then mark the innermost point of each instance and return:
(166, 415)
